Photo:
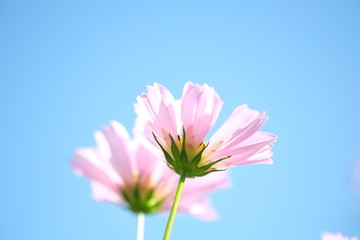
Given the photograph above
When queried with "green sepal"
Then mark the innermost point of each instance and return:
(149, 195)
(210, 171)
(174, 150)
(125, 196)
(136, 193)
(182, 165)
(197, 158)
(141, 200)
(168, 158)
(210, 164)
(183, 156)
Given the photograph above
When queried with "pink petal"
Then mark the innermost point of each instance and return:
(203, 185)
(104, 154)
(153, 171)
(240, 125)
(195, 200)
(101, 192)
(249, 150)
(200, 107)
(151, 167)
(202, 209)
(159, 108)
(142, 128)
(87, 163)
(255, 149)
(239, 138)
(122, 158)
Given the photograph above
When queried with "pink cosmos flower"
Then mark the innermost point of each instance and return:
(338, 236)
(180, 126)
(130, 172)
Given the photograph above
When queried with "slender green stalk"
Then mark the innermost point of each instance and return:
(174, 207)
(140, 226)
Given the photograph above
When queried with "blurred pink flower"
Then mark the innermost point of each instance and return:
(184, 124)
(338, 236)
(130, 172)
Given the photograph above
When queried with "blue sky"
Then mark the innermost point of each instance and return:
(67, 68)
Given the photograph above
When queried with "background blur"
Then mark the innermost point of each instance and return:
(69, 67)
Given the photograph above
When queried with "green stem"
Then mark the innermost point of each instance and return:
(140, 226)
(174, 207)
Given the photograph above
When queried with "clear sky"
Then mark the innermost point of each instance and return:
(67, 68)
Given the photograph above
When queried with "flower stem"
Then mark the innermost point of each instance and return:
(174, 207)
(140, 226)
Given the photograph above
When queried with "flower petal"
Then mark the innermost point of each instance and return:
(255, 149)
(195, 195)
(101, 192)
(159, 108)
(200, 107)
(151, 168)
(202, 209)
(122, 157)
(86, 162)
(238, 138)
(236, 127)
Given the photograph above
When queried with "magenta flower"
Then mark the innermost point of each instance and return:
(179, 127)
(130, 172)
(338, 236)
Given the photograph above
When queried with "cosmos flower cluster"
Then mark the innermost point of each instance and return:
(169, 139)
(146, 173)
